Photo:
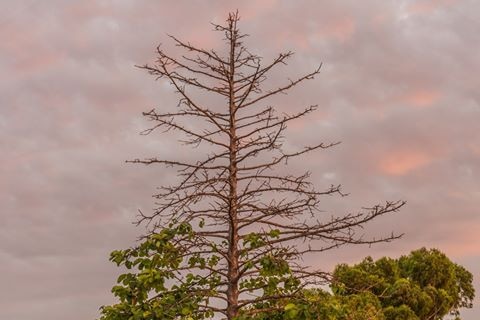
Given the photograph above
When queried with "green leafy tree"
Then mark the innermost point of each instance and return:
(422, 285)
(227, 238)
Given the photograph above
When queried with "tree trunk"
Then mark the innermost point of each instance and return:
(233, 254)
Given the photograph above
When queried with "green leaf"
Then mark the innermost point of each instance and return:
(290, 306)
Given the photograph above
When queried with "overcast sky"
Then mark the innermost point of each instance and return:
(399, 87)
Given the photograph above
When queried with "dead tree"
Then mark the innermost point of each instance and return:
(227, 238)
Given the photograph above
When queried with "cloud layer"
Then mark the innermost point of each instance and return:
(399, 88)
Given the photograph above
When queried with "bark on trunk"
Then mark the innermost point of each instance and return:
(233, 254)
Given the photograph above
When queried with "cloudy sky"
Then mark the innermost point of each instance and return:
(399, 87)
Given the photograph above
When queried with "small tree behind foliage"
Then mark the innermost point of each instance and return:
(227, 238)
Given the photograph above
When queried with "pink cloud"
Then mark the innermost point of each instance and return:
(422, 98)
(466, 243)
(379, 20)
(250, 12)
(340, 29)
(475, 148)
(428, 6)
(86, 10)
(39, 61)
(402, 163)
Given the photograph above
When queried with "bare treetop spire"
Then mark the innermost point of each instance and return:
(227, 238)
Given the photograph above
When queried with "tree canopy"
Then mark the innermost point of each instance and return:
(424, 285)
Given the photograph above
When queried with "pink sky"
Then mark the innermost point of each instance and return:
(399, 87)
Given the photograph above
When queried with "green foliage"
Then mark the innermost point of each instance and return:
(422, 285)
(314, 304)
(148, 292)
(167, 280)
(363, 306)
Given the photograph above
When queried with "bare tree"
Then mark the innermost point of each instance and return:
(227, 239)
